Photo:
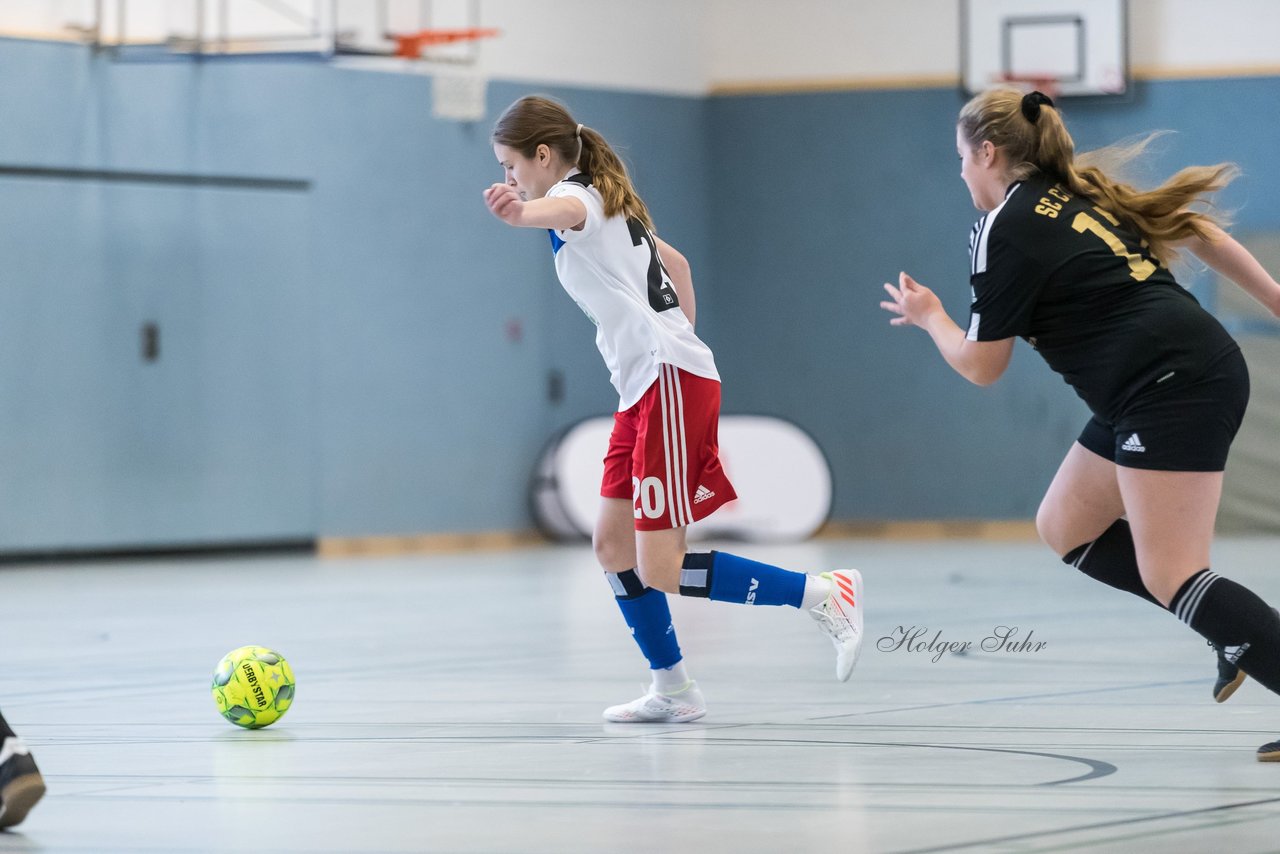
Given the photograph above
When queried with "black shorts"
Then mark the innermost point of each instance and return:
(1186, 427)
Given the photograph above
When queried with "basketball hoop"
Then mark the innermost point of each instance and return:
(411, 45)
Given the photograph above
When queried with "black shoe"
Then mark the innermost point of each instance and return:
(1269, 752)
(21, 785)
(1230, 676)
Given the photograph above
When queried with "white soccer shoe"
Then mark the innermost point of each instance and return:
(840, 616)
(681, 706)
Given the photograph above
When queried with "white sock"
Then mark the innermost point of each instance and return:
(816, 591)
(671, 680)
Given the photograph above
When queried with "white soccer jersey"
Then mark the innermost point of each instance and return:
(612, 270)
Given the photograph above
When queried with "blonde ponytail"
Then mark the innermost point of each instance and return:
(1031, 133)
(609, 175)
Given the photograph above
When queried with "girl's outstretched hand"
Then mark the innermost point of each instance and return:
(505, 203)
(912, 302)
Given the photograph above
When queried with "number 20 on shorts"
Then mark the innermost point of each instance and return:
(649, 498)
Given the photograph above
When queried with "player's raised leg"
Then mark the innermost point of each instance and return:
(1082, 502)
(833, 599)
(1080, 515)
(682, 482)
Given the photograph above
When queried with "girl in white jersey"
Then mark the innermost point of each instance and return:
(662, 469)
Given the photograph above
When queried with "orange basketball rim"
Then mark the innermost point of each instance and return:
(411, 45)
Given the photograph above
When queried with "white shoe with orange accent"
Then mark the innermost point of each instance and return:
(840, 616)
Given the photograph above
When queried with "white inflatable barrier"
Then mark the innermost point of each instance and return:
(781, 476)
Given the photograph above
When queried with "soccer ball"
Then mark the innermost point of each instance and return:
(253, 686)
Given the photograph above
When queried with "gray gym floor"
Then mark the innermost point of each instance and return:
(452, 703)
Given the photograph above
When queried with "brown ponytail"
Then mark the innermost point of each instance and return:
(1033, 137)
(535, 120)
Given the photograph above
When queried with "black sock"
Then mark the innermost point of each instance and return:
(1112, 560)
(1235, 618)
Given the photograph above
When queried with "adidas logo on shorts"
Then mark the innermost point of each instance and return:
(702, 494)
(1133, 444)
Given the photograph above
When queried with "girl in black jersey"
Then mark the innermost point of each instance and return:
(1076, 263)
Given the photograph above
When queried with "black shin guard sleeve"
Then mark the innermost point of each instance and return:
(695, 574)
(626, 584)
(1235, 618)
(1112, 560)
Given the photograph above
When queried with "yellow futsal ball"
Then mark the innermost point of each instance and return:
(253, 686)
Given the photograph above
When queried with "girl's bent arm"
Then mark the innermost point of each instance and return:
(980, 362)
(681, 277)
(561, 213)
(1223, 253)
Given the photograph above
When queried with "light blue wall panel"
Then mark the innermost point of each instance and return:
(207, 443)
(214, 442)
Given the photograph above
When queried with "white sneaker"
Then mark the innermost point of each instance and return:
(686, 704)
(840, 616)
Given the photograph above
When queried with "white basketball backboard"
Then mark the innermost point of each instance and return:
(315, 29)
(1077, 47)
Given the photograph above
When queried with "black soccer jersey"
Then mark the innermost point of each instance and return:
(1076, 282)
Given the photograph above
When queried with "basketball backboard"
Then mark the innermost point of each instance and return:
(325, 29)
(1074, 47)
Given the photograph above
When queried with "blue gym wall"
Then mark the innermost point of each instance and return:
(368, 355)
(369, 352)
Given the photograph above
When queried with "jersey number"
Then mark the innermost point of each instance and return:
(661, 295)
(1139, 267)
(648, 497)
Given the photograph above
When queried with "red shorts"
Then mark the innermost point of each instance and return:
(664, 453)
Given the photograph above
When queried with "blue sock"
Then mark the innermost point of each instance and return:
(649, 617)
(729, 578)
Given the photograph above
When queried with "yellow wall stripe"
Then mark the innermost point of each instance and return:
(730, 88)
